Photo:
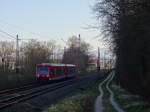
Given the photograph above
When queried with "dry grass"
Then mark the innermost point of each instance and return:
(130, 103)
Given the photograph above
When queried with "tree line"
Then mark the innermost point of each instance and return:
(125, 25)
(35, 52)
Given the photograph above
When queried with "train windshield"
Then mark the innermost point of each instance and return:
(43, 70)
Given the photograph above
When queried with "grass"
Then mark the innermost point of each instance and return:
(81, 101)
(129, 102)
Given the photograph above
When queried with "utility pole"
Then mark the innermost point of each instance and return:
(105, 60)
(79, 61)
(3, 63)
(17, 54)
(98, 60)
(64, 59)
(79, 41)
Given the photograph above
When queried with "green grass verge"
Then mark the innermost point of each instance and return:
(81, 101)
(129, 102)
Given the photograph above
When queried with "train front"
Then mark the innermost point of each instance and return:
(42, 72)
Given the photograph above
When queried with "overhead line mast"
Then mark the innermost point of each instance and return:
(17, 54)
(98, 60)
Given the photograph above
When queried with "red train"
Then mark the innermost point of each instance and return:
(47, 71)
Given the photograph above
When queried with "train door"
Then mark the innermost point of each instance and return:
(65, 71)
(54, 72)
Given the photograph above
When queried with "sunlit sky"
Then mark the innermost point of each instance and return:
(48, 19)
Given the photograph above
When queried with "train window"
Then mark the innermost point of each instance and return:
(59, 71)
(56, 71)
(71, 69)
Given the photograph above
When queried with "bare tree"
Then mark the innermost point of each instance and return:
(77, 53)
(36, 52)
(6, 55)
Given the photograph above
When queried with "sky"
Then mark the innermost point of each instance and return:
(49, 20)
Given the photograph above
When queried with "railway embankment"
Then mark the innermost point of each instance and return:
(49, 96)
(80, 101)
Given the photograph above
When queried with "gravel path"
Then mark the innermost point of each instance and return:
(111, 98)
(98, 102)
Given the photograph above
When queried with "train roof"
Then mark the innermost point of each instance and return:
(54, 64)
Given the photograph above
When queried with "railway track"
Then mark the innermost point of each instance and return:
(20, 95)
(13, 90)
(22, 88)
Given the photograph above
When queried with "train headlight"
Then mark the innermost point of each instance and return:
(38, 75)
(47, 76)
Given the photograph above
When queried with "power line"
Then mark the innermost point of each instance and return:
(20, 28)
(2, 36)
(26, 39)
(9, 35)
